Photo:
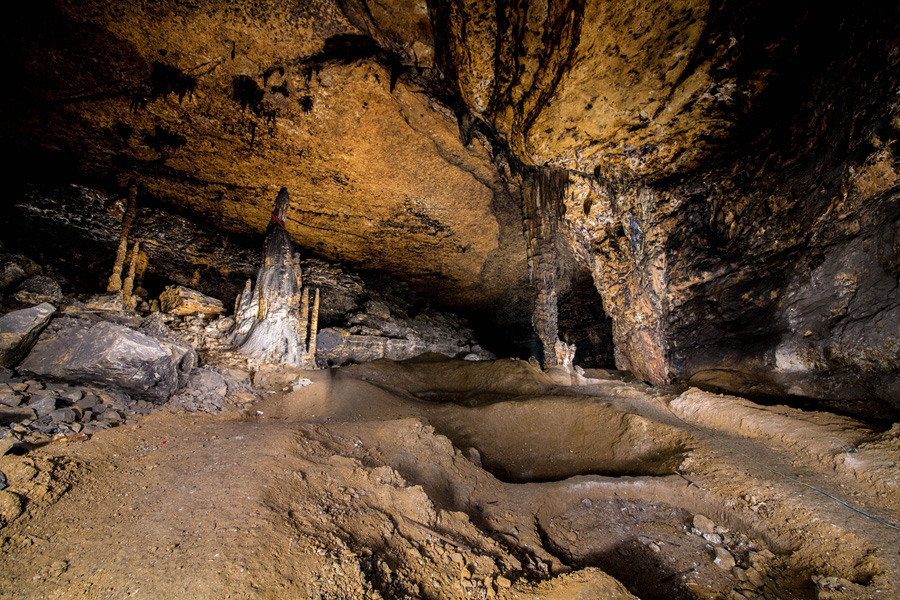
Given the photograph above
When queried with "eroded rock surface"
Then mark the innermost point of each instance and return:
(82, 351)
(19, 331)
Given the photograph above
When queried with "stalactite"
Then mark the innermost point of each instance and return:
(129, 300)
(542, 195)
(115, 280)
(313, 331)
(304, 315)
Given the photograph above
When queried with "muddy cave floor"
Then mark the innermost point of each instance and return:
(450, 479)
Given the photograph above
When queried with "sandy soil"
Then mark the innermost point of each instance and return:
(451, 479)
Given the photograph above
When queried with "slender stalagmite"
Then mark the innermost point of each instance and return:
(128, 286)
(313, 330)
(304, 315)
(115, 280)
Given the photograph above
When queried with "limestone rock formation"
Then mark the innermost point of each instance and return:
(83, 351)
(365, 318)
(270, 312)
(19, 331)
(179, 300)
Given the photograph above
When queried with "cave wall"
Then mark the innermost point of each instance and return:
(733, 166)
(734, 177)
(774, 270)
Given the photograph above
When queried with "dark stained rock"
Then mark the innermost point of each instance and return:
(19, 331)
(38, 289)
(82, 351)
(43, 404)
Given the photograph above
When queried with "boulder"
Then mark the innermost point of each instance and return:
(179, 300)
(37, 289)
(11, 273)
(20, 329)
(105, 302)
(81, 351)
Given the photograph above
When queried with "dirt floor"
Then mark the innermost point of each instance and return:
(452, 479)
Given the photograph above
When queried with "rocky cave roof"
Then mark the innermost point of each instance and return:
(732, 168)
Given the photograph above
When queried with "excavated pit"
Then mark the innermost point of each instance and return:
(549, 438)
(513, 420)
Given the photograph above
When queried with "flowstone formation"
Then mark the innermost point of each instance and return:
(269, 313)
(542, 197)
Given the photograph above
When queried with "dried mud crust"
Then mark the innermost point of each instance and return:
(346, 489)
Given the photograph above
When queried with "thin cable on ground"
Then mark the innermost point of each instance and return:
(777, 472)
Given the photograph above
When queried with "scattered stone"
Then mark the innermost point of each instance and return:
(64, 415)
(11, 273)
(105, 302)
(19, 331)
(38, 289)
(755, 577)
(704, 524)
(503, 582)
(10, 506)
(42, 404)
(712, 538)
(10, 398)
(208, 381)
(179, 300)
(58, 568)
(84, 351)
(724, 560)
(73, 395)
(87, 402)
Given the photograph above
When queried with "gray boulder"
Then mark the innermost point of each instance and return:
(20, 329)
(82, 351)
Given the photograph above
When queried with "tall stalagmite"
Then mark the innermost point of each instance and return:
(313, 330)
(128, 285)
(115, 280)
(304, 316)
(274, 333)
(542, 194)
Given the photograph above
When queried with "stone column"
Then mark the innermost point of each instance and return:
(542, 198)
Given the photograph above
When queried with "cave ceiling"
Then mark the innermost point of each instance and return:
(719, 154)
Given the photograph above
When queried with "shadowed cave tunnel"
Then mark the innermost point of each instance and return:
(693, 195)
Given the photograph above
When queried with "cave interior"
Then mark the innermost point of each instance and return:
(700, 199)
